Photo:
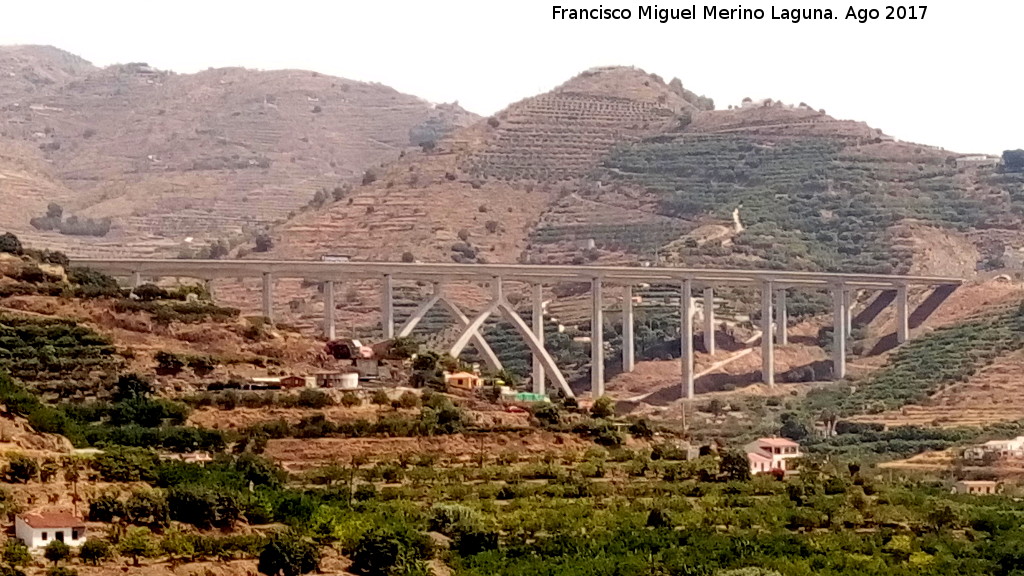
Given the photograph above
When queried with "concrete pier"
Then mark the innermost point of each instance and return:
(767, 344)
(628, 341)
(387, 310)
(329, 328)
(597, 340)
(781, 318)
(686, 336)
(268, 296)
(709, 320)
(839, 323)
(538, 333)
(902, 315)
(848, 299)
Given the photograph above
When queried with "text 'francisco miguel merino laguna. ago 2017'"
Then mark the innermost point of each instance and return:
(663, 15)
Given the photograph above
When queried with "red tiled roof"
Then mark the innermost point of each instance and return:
(52, 520)
(756, 456)
(776, 442)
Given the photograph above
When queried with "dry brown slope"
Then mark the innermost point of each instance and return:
(139, 337)
(488, 184)
(421, 203)
(28, 182)
(169, 156)
(28, 69)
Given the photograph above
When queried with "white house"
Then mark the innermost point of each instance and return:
(977, 160)
(767, 454)
(976, 487)
(1012, 448)
(38, 529)
(201, 458)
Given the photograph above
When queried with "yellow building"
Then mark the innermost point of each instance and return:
(976, 487)
(465, 380)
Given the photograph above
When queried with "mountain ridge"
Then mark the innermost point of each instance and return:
(614, 166)
(214, 155)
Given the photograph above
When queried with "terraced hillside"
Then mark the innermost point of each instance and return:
(68, 332)
(618, 167)
(615, 167)
(165, 156)
(561, 134)
(965, 373)
(804, 200)
(480, 193)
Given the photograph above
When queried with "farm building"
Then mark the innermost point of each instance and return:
(976, 487)
(767, 454)
(1012, 448)
(38, 529)
(296, 381)
(345, 380)
(977, 160)
(466, 380)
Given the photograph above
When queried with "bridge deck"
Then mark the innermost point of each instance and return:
(532, 273)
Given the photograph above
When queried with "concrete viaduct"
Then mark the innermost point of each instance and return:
(772, 284)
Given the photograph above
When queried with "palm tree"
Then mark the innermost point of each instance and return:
(829, 417)
(72, 475)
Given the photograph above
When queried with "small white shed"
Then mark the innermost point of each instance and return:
(38, 529)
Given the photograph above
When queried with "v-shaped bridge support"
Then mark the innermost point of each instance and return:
(490, 358)
(471, 332)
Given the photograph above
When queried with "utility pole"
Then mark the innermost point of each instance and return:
(685, 403)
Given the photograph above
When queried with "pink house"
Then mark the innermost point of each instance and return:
(767, 454)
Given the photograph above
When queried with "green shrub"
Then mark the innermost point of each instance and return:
(132, 387)
(10, 244)
(57, 551)
(409, 400)
(445, 518)
(289, 554)
(137, 543)
(168, 363)
(382, 548)
(380, 398)
(94, 551)
(124, 464)
(147, 508)
(150, 292)
(547, 414)
(603, 407)
(202, 365)
(309, 398)
(21, 469)
(203, 506)
(641, 429)
(15, 553)
(263, 242)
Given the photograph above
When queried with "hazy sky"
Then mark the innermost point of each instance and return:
(949, 80)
